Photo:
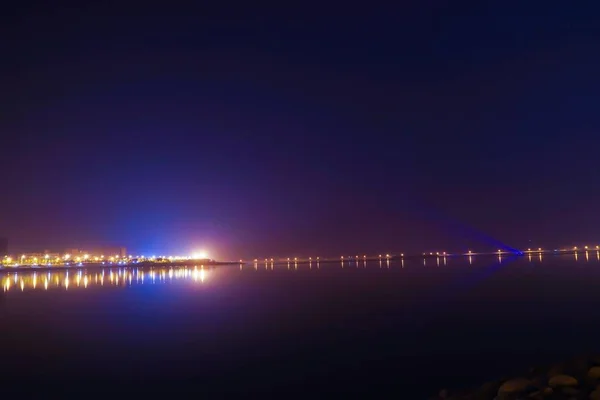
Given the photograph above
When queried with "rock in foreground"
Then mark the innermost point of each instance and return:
(577, 379)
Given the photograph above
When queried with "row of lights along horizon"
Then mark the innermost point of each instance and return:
(86, 259)
(437, 253)
(67, 259)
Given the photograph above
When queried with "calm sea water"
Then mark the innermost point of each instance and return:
(414, 328)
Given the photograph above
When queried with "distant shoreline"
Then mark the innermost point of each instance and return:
(113, 265)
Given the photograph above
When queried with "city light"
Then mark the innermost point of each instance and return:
(200, 255)
(90, 259)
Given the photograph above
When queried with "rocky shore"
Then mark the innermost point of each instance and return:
(575, 379)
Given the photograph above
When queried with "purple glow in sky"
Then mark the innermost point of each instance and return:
(281, 132)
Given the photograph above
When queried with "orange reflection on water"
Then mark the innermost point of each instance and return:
(28, 280)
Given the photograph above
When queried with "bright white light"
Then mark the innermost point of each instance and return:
(200, 255)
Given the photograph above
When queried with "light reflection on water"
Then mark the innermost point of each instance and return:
(86, 278)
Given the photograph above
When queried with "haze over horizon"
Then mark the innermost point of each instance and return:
(281, 131)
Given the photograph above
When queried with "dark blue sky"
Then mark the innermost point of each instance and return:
(261, 132)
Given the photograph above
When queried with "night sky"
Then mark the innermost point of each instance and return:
(255, 132)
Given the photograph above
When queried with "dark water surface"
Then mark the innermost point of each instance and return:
(411, 328)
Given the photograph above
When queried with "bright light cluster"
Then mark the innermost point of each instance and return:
(55, 259)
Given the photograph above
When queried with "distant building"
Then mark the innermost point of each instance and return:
(3, 247)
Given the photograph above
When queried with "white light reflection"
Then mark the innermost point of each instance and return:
(63, 280)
